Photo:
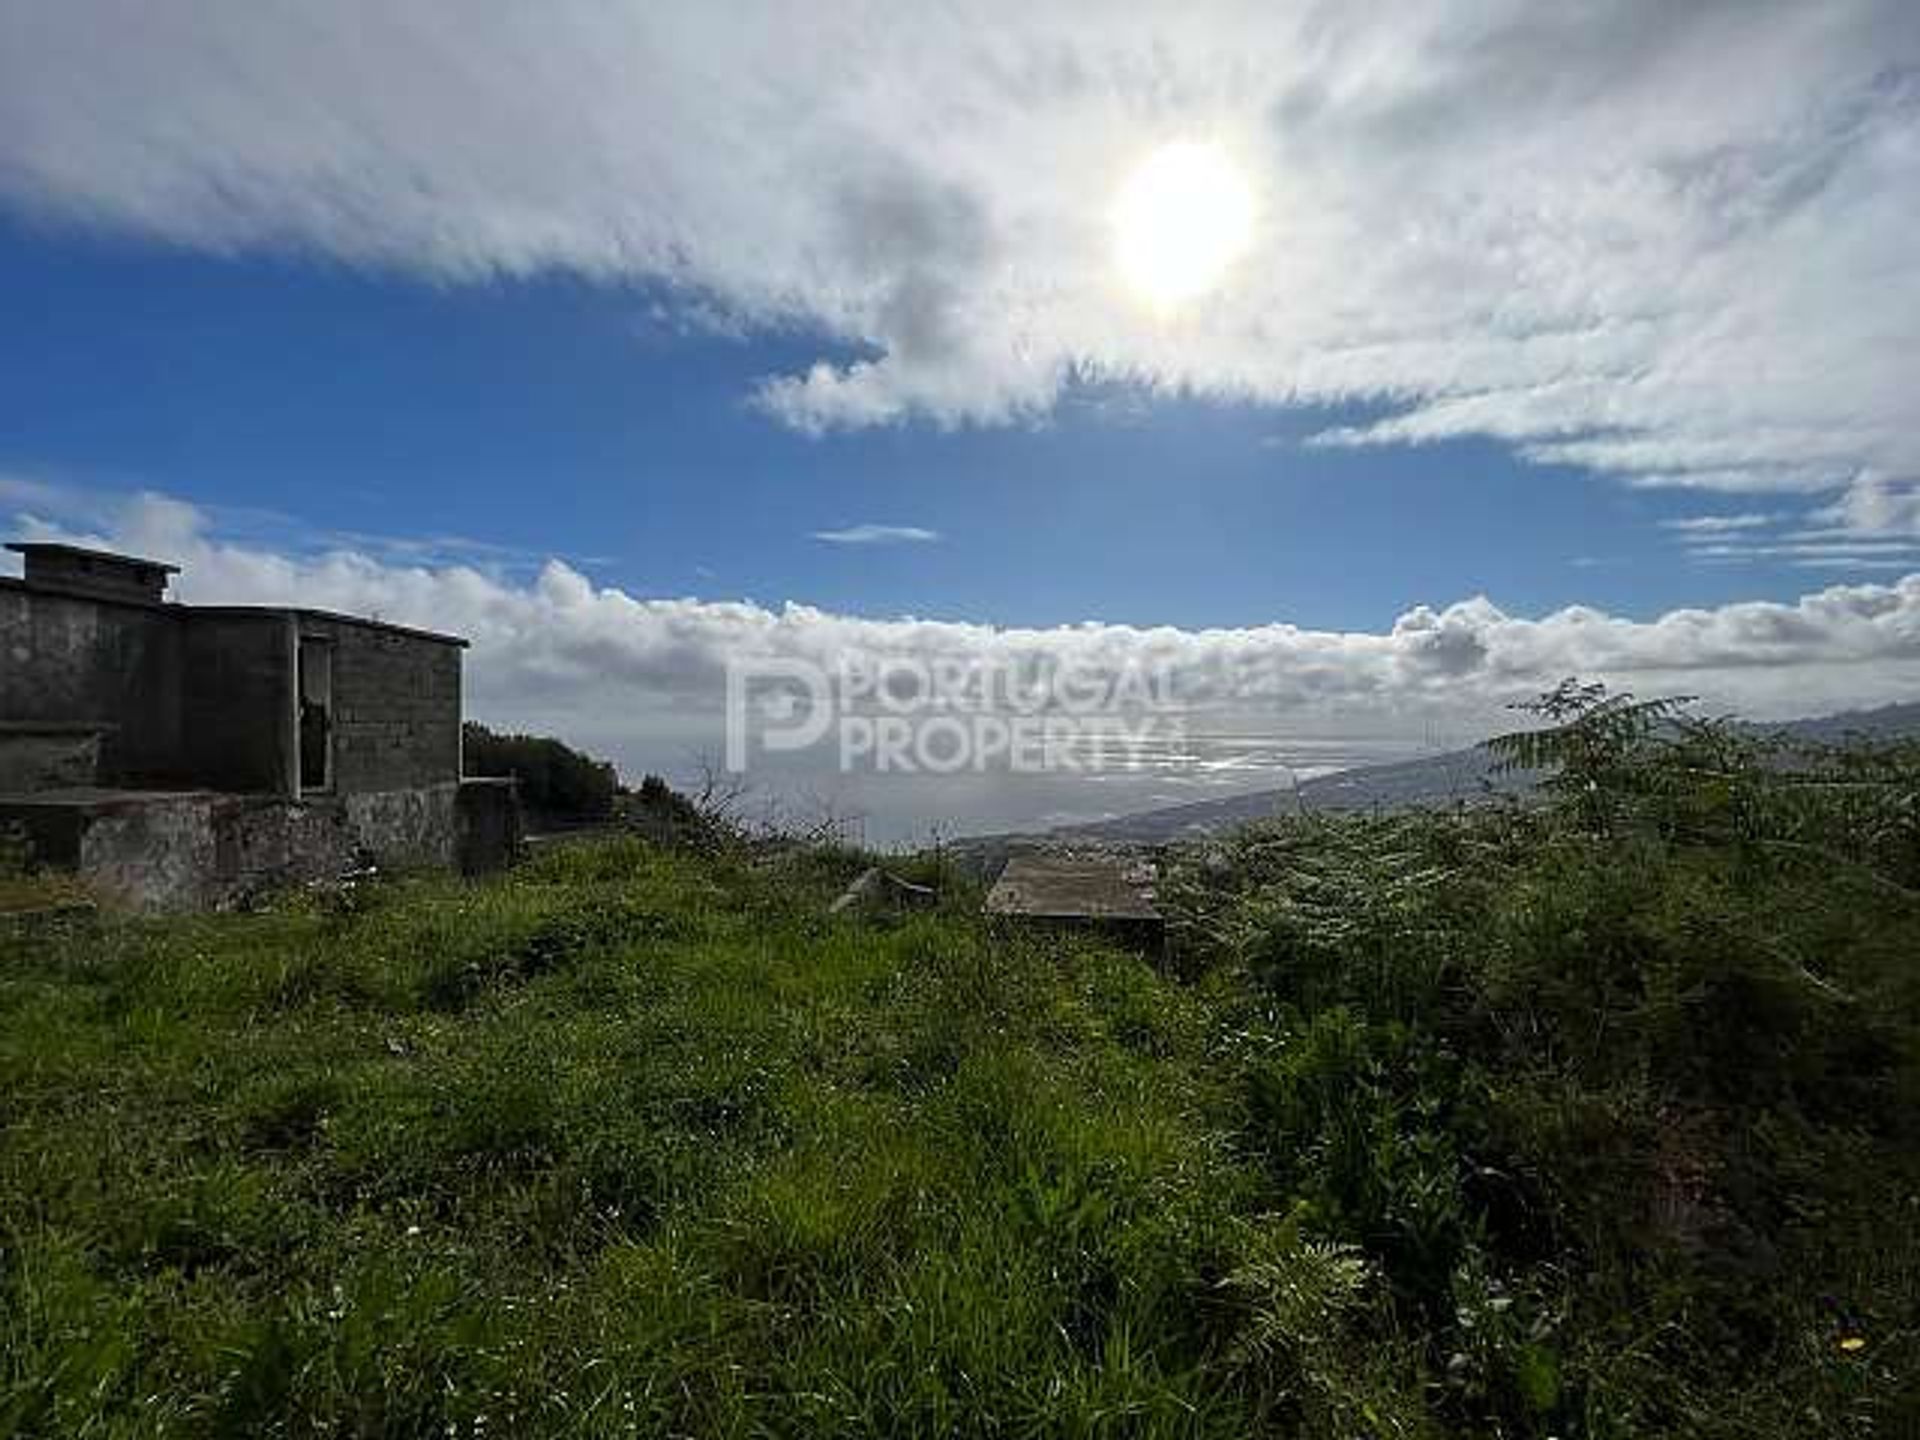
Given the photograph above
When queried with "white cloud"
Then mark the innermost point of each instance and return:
(595, 662)
(1828, 552)
(1874, 525)
(869, 534)
(1876, 505)
(1701, 525)
(1666, 242)
(1854, 562)
(70, 503)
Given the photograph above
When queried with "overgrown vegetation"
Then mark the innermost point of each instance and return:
(1588, 1118)
(557, 782)
(26, 888)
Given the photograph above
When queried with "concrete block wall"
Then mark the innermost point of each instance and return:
(204, 696)
(187, 717)
(396, 706)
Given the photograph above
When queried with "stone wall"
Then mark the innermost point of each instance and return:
(406, 829)
(471, 825)
(184, 850)
(195, 852)
(199, 849)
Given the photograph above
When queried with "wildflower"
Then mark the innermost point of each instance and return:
(1853, 1343)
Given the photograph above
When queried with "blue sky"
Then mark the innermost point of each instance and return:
(300, 400)
(1370, 368)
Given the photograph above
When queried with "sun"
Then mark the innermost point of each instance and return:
(1180, 221)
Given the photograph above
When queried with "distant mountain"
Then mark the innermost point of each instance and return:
(1455, 777)
(1889, 722)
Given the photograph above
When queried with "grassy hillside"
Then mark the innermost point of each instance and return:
(1597, 1120)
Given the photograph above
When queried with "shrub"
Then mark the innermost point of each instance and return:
(556, 781)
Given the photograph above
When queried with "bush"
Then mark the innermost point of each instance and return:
(557, 782)
(1557, 1071)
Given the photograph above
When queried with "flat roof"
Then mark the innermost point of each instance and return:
(1075, 887)
(54, 547)
(175, 607)
(102, 596)
(415, 631)
(332, 617)
(93, 798)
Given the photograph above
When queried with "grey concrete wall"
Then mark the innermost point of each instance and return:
(65, 658)
(196, 709)
(204, 697)
(405, 829)
(396, 707)
(195, 850)
(185, 850)
(236, 696)
(157, 856)
(489, 834)
(47, 758)
(472, 825)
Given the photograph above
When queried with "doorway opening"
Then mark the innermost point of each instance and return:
(316, 714)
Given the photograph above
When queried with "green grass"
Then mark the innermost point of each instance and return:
(624, 1143)
(27, 894)
(631, 1142)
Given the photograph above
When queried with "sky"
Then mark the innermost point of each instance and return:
(631, 338)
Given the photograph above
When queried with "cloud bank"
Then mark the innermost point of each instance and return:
(560, 652)
(1670, 243)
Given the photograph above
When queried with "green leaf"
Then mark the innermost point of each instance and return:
(1537, 1374)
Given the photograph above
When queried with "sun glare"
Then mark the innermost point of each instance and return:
(1182, 218)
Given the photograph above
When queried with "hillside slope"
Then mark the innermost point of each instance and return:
(1439, 1126)
(1452, 778)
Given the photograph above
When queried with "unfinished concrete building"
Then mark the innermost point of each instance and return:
(178, 756)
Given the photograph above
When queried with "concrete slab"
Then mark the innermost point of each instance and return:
(99, 797)
(1096, 888)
